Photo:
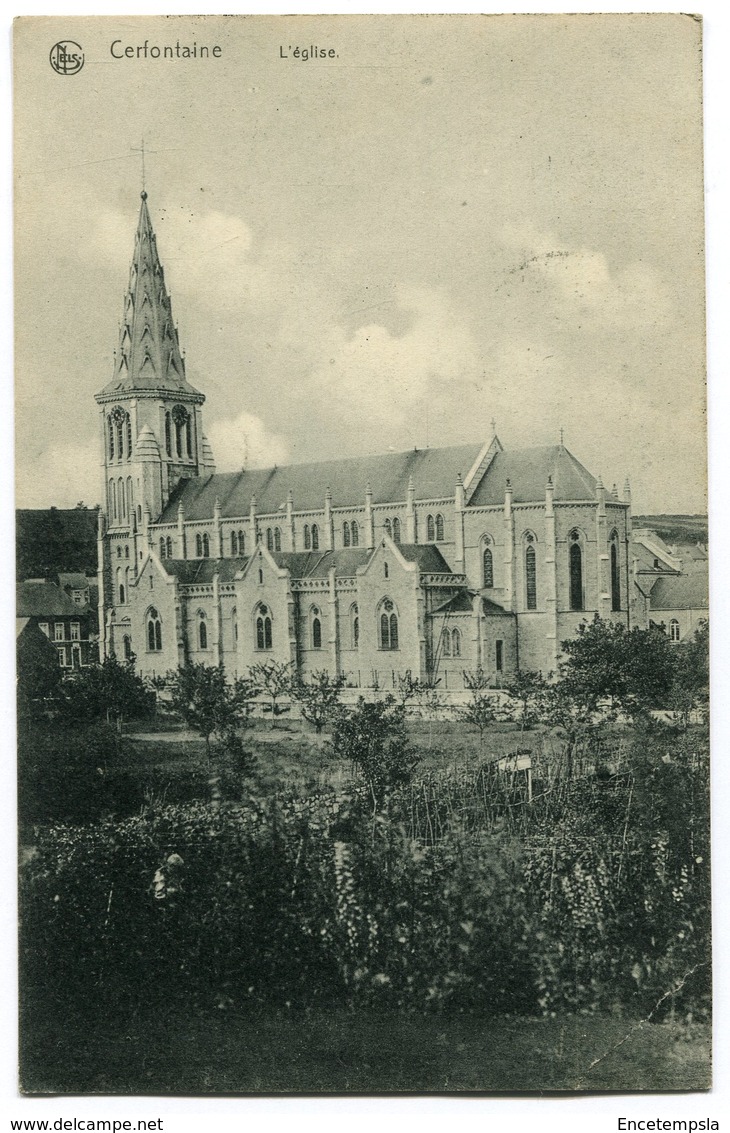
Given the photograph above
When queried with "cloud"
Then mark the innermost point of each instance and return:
(244, 442)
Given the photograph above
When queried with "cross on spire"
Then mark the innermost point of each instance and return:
(494, 426)
(562, 435)
(142, 151)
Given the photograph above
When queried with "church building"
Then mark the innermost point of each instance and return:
(433, 562)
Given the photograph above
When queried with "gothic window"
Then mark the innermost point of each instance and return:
(130, 497)
(499, 656)
(110, 424)
(263, 628)
(189, 437)
(234, 626)
(128, 426)
(163, 548)
(241, 543)
(307, 538)
(154, 631)
(674, 630)
(121, 593)
(615, 574)
(487, 568)
(202, 630)
(388, 528)
(385, 570)
(168, 435)
(315, 537)
(199, 545)
(121, 498)
(206, 546)
(530, 573)
(446, 643)
(277, 539)
(439, 528)
(112, 499)
(396, 530)
(455, 643)
(345, 534)
(388, 625)
(269, 539)
(430, 530)
(119, 550)
(261, 577)
(180, 419)
(316, 628)
(355, 533)
(126, 551)
(576, 571)
(234, 544)
(169, 546)
(127, 641)
(354, 627)
(120, 437)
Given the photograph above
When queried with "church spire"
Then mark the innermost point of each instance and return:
(148, 356)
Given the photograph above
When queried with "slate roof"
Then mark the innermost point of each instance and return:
(528, 470)
(192, 571)
(681, 592)
(461, 603)
(45, 599)
(434, 472)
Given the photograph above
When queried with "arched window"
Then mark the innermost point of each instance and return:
(130, 498)
(446, 643)
(388, 529)
(119, 550)
(396, 530)
(487, 568)
(126, 550)
(315, 537)
(121, 498)
(120, 433)
(241, 543)
(169, 546)
(430, 530)
(674, 630)
(277, 539)
(110, 424)
(234, 544)
(354, 626)
(263, 628)
(199, 545)
(234, 626)
(202, 630)
(121, 592)
(388, 625)
(316, 628)
(355, 533)
(455, 643)
(269, 539)
(163, 549)
(386, 570)
(154, 631)
(345, 534)
(112, 499)
(530, 573)
(168, 435)
(576, 572)
(127, 643)
(439, 528)
(128, 424)
(189, 437)
(615, 574)
(307, 538)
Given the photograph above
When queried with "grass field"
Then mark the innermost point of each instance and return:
(339, 1052)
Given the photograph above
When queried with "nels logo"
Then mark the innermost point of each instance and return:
(66, 57)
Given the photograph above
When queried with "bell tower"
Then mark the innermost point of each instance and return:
(150, 421)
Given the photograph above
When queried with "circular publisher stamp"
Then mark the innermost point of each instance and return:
(66, 57)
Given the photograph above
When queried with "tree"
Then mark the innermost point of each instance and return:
(208, 703)
(319, 697)
(691, 676)
(373, 737)
(39, 675)
(110, 690)
(273, 678)
(608, 665)
(479, 712)
(530, 690)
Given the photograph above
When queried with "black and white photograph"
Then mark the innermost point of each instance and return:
(362, 607)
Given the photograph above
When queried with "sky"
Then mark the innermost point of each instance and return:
(454, 221)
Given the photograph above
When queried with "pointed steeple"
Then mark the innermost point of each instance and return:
(148, 356)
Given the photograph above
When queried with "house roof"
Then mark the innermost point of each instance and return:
(527, 471)
(44, 599)
(434, 473)
(681, 592)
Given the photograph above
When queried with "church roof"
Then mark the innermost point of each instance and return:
(192, 571)
(433, 470)
(681, 592)
(528, 470)
(461, 603)
(148, 356)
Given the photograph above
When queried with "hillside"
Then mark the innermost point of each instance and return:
(675, 528)
(50, 540)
